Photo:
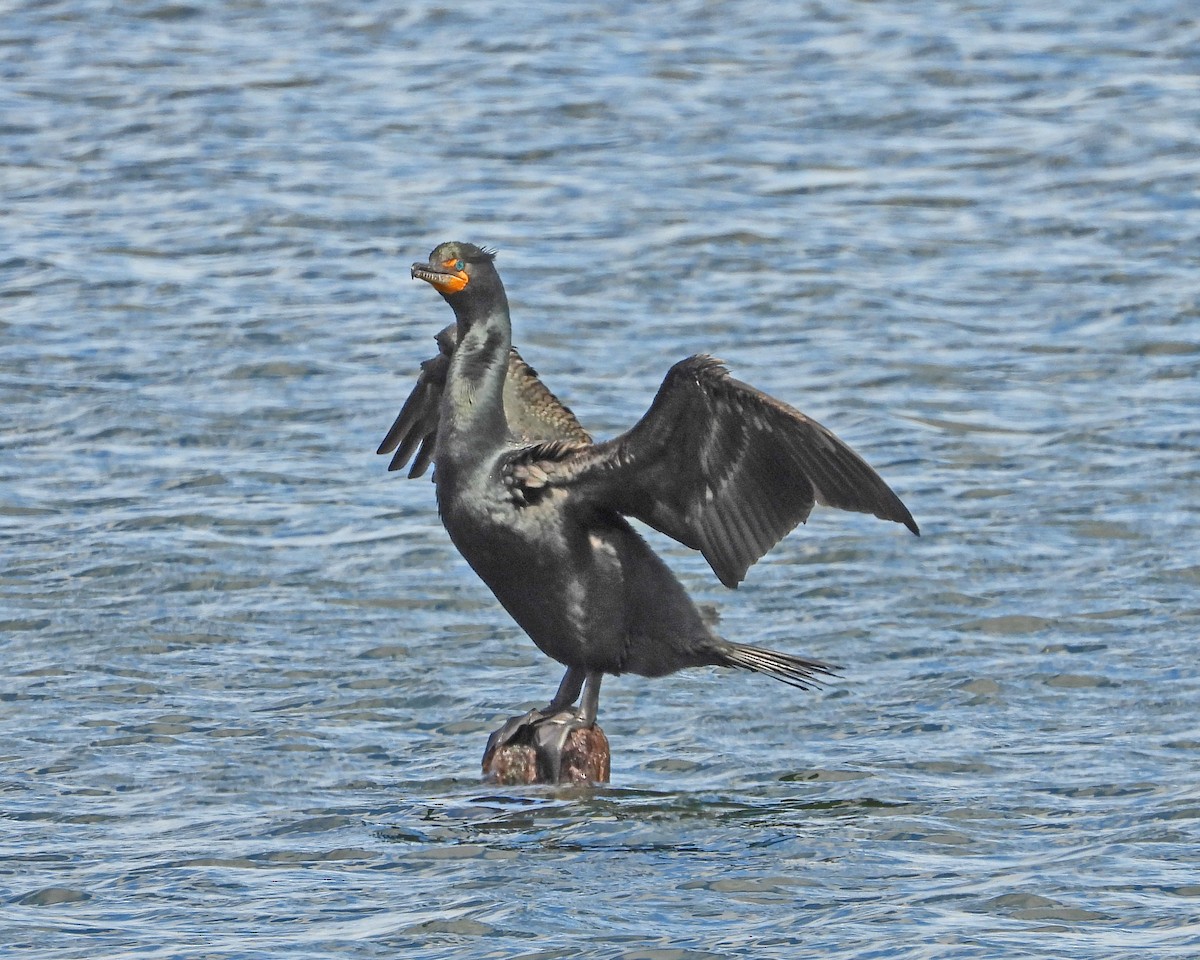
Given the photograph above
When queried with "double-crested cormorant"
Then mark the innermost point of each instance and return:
(538, 509)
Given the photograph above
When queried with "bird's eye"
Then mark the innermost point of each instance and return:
(459, 266)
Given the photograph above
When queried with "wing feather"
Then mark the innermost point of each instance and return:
(415, 426)
(718, 466)
(534, 413)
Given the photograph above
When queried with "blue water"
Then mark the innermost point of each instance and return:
(246, 678)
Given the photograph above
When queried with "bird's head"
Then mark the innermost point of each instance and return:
(462, 273)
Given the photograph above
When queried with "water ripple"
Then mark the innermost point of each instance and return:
(247, 677)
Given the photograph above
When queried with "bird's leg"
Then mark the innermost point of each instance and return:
(591, 698)
(564, 699)
(550, 734)
(568, 691)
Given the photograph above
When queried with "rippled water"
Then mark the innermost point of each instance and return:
(247, 680)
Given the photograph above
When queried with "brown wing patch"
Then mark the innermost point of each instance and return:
(534, 413)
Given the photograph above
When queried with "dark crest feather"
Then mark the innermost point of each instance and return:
(485, 255)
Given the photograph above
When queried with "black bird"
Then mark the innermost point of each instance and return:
(538, 509)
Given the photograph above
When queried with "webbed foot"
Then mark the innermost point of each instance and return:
(514, 731)
(537, 747)
(550, 736)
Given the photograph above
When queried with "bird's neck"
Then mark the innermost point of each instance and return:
(473, 420)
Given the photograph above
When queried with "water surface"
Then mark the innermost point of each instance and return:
(247, 680)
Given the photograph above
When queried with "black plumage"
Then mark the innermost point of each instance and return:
(538, 509)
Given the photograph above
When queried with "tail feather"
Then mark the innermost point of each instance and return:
(794, 671)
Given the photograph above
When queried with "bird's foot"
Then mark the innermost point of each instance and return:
(550, 736)
(537, 747)
(515, 730)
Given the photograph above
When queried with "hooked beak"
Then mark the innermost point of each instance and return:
(440, 277)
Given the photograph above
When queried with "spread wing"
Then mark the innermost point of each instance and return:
(534, 413)
(415, 427)
(718, 466)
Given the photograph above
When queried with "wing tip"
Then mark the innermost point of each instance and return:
(901, 514)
